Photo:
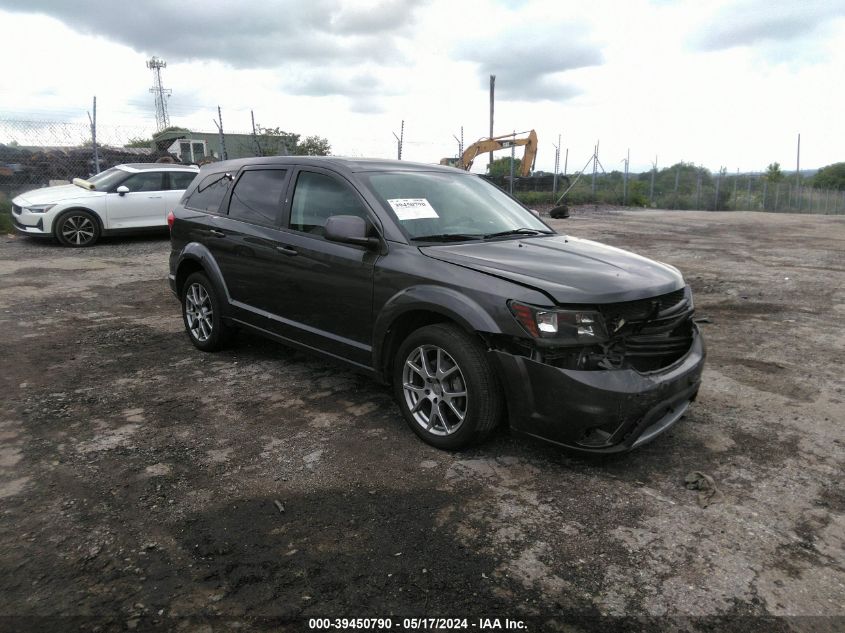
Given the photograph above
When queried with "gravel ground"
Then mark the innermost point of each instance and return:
(144, 484)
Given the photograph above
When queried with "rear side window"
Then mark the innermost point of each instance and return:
(318, 197)
(145, 181)
(210, 193)
(257, 196)
(180, 180)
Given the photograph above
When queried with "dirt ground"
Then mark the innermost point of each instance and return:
(139, 477)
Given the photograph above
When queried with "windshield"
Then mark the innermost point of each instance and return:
(442, 205)
(105, 180)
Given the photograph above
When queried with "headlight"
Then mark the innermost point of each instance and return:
(572, 326)
(40, 208)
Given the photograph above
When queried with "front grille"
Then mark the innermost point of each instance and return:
(650, 334)
(642, 308)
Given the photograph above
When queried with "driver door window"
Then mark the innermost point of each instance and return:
(316, 198)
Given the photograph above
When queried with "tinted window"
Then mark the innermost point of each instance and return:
(180, 179)
(210, 192)
(144, 181)
(257, 196)
(318, 197)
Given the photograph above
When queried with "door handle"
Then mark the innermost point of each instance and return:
(216, 233)
(287, 250)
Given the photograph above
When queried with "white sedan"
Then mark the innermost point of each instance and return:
(123, 199)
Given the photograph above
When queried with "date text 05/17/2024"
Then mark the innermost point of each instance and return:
(416, 624)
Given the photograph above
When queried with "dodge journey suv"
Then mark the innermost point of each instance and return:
(438, 283)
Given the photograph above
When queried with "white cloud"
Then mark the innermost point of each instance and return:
(677, 79)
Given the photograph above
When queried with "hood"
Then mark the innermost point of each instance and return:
(568, 269)
(51, 195)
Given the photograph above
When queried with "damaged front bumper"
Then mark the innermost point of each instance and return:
(599, 411)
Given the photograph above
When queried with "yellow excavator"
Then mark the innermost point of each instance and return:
(495, 144)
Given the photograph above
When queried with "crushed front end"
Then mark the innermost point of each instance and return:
(604, 378)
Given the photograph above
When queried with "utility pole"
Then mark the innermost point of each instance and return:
(93, 122)
(255, 136)
(748, 195)
(399, 140)
(677, 182)
(492, 99)
(653, 172)
(557, 164)
(460, 143)
(595, 161)
(718, 183)
(735, 181)
(698, 189)
(513, 150)
(625, 181)
(162, 118)
(219, 123)
(566, 161)
(798, 174)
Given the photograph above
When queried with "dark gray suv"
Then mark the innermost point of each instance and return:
(437, 282)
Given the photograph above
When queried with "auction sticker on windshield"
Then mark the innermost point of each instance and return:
(412, 208)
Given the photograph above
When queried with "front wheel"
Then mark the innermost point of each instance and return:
(77, 228)
(445, 386)
(201, 314)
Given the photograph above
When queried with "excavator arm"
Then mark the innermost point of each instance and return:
(497, 143)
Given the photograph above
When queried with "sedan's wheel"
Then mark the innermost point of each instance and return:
(201, 314)
(77, 228)
(445, 387)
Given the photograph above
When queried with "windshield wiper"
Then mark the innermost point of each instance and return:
(522, 231)
(446, 237)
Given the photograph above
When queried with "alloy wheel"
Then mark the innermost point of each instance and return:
(78, 230)
(199, 312)
(435, 390)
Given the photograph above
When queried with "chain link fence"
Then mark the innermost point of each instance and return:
(687, 189)
(41, 153)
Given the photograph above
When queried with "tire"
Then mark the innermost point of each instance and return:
(560, 212)
(77, 228)
(455, 363)
(202, 314)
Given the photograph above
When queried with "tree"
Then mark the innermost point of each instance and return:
(274, 141)
(313, 146)
(773, 173)
(830, 177)
(502, 166)
(137, 141)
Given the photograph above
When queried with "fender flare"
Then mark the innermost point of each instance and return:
(196, 252)
(441, 300)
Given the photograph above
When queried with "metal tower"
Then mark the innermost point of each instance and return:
(162, 118)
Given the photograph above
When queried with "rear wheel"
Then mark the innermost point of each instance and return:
(446, 388)
(201, 314)
(77, 228)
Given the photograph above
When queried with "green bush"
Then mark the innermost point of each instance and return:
(536, 197)
(5, 215)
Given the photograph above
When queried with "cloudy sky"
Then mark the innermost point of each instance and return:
(718, 83)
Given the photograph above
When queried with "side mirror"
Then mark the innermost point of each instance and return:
(535, 212)
(560, 212)
(349, 229)
(122, 190)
